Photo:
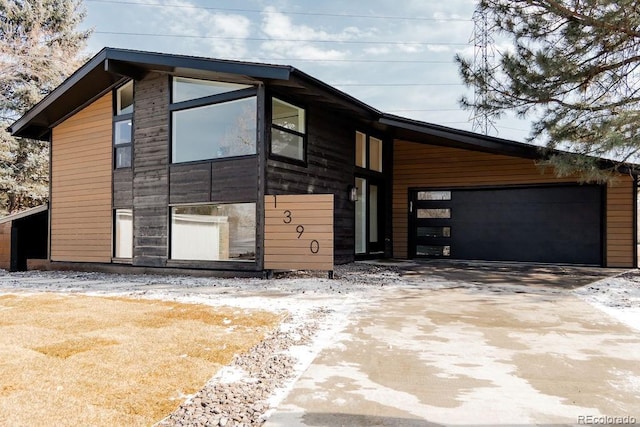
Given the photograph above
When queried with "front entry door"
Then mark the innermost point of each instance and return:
(369, 217)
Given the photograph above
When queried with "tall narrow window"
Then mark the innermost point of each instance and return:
(288, 130)
(123, 126)
(123, 233)
(361, 150)
(361, 216)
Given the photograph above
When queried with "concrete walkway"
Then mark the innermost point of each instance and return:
(473, 345)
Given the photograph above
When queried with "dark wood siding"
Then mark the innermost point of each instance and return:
(229, 180)
(150, 171)
(329, 170)
(122, 188)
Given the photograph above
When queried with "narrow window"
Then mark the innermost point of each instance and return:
(288, 130)
(361, 216)
(361, 150)
(185, 89)
(216, 232)
(123, 126)
(375, 154)
(123, 233)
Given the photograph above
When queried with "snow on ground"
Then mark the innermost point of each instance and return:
(617, 296)
(317, 310)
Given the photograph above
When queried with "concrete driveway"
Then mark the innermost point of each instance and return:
(473, 344)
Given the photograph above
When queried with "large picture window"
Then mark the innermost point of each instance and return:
(215, 232)
(288, 130)
(212, 120)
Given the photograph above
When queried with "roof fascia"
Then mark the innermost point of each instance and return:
(482, 142)
(94, 62)
(171, 63)
(24, 214)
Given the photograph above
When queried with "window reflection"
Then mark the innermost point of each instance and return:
(214, 232)
(213, 131)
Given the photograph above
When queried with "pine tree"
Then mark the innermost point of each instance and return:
(40, 48)
(572, 67)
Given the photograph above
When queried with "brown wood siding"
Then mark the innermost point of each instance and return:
(299, 232)
(5, 245)
(619, 225)
(329, 170)
(421, 165)
(81, 166)
(150, 171)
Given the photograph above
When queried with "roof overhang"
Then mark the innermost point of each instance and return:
(110, 66)
(417, 131)
(24, 214)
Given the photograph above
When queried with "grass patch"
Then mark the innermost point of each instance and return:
(80, 360)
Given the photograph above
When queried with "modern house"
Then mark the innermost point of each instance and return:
(167, 161)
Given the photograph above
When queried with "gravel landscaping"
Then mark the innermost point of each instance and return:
(245, 392)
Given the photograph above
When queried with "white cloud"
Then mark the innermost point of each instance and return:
(224, 34)
(377, 50)
(297, 41)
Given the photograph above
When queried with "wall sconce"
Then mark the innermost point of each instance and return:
(353, 193)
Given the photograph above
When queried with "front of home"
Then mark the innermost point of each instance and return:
(166, 161)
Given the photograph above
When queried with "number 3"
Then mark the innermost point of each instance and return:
(287, 217)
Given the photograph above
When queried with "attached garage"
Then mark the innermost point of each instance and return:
(549, 224)
(466, 198)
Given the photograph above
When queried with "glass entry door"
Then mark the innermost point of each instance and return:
(369, 233)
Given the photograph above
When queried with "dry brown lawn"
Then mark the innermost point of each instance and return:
(84, 360)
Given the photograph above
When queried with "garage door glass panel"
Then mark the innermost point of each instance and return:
(434, 213)
(434, 231)
(433, 250)
(434, 195)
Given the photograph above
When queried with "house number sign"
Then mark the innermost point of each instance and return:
(299, 232)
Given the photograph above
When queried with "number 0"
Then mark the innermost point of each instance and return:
(314, 246)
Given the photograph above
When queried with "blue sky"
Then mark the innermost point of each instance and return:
(396, 56)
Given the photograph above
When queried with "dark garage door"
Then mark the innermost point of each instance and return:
(555, 224)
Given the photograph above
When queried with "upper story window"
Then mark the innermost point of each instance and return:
(212, 120)
(368, 152)
(123, 126)
(288, 130)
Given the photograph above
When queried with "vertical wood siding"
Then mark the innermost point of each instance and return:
(81, 166)
(5, 245)
(150, 171)
(329, 170)
(420, 165)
